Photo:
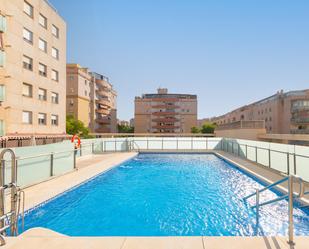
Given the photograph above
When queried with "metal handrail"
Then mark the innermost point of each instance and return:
(290, 195)
(132, 142)
(301, 190)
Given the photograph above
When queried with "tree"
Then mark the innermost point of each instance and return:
(125, 129)
(74, 126)
(208, 128)
(195, 129)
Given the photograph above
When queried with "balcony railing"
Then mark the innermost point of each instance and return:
(165, 106)
(103, 120)
(299, 108)
(102, 111)
(165, 113)
(103, 102)
(163, 120)
(166, 127)
(243, 124)
(299, 131)
(300, 120)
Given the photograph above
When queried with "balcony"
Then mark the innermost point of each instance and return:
(103, 102)
(163, 120)
(103, 120)
(103, 83)
(102, 111)
(165, 113)
(103, 130)
(299, 131)
(299, 108)
(165, 107)
(166, 127)
(300, 120)
(102, 92)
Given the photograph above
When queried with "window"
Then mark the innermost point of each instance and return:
(55, 31)
(42, 119)
(43, 21)
(28, 9)
(27, 62)
(71, 102)
(2, 93)
(3, 25)
(42, 70)
(85, 82)
(42, 45)
(28, 35)
(27, 90)
(55, 53)
(2, 58)
(42, 94)
(54, 98)
(86, 93)
(54, 119)
(27, 117)
(55, 75)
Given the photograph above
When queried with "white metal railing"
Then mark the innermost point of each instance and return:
(290, 196)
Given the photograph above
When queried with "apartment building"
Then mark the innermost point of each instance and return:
(91, 99)
(283, 112)
(32, 68)
(163, 112)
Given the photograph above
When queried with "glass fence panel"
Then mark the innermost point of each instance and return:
(251, 153)
(140, 144)
(121, 145)
(200, 144)
(26, 168)
(278, 161)
(86, 149)
(214, 143)
(109, 145)
(171, 144)
(155, 144)
(263, 156)
(63, 163)
(185, 144)
(302, 168)
(242, 150)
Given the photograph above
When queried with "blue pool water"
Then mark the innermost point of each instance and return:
(166, 194)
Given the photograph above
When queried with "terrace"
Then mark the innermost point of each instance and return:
(59, 168)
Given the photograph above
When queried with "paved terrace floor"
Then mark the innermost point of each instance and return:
(90, 166)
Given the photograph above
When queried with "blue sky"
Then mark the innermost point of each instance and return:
(228, 52)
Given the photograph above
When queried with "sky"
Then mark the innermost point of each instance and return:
(228, 52)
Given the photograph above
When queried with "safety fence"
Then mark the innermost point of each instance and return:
(284, 158)
(38, 163)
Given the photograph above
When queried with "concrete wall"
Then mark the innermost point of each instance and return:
(13, 75)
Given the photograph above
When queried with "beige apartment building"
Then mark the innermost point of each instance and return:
(91, 99)
(32, 68)
(163, 112)
(283, 113)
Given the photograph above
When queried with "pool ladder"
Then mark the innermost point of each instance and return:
(9, 219)
(290, 196)
(131, 144)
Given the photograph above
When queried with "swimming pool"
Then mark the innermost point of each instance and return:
(166, 195)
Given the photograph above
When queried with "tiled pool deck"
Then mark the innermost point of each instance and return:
(90, 166)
